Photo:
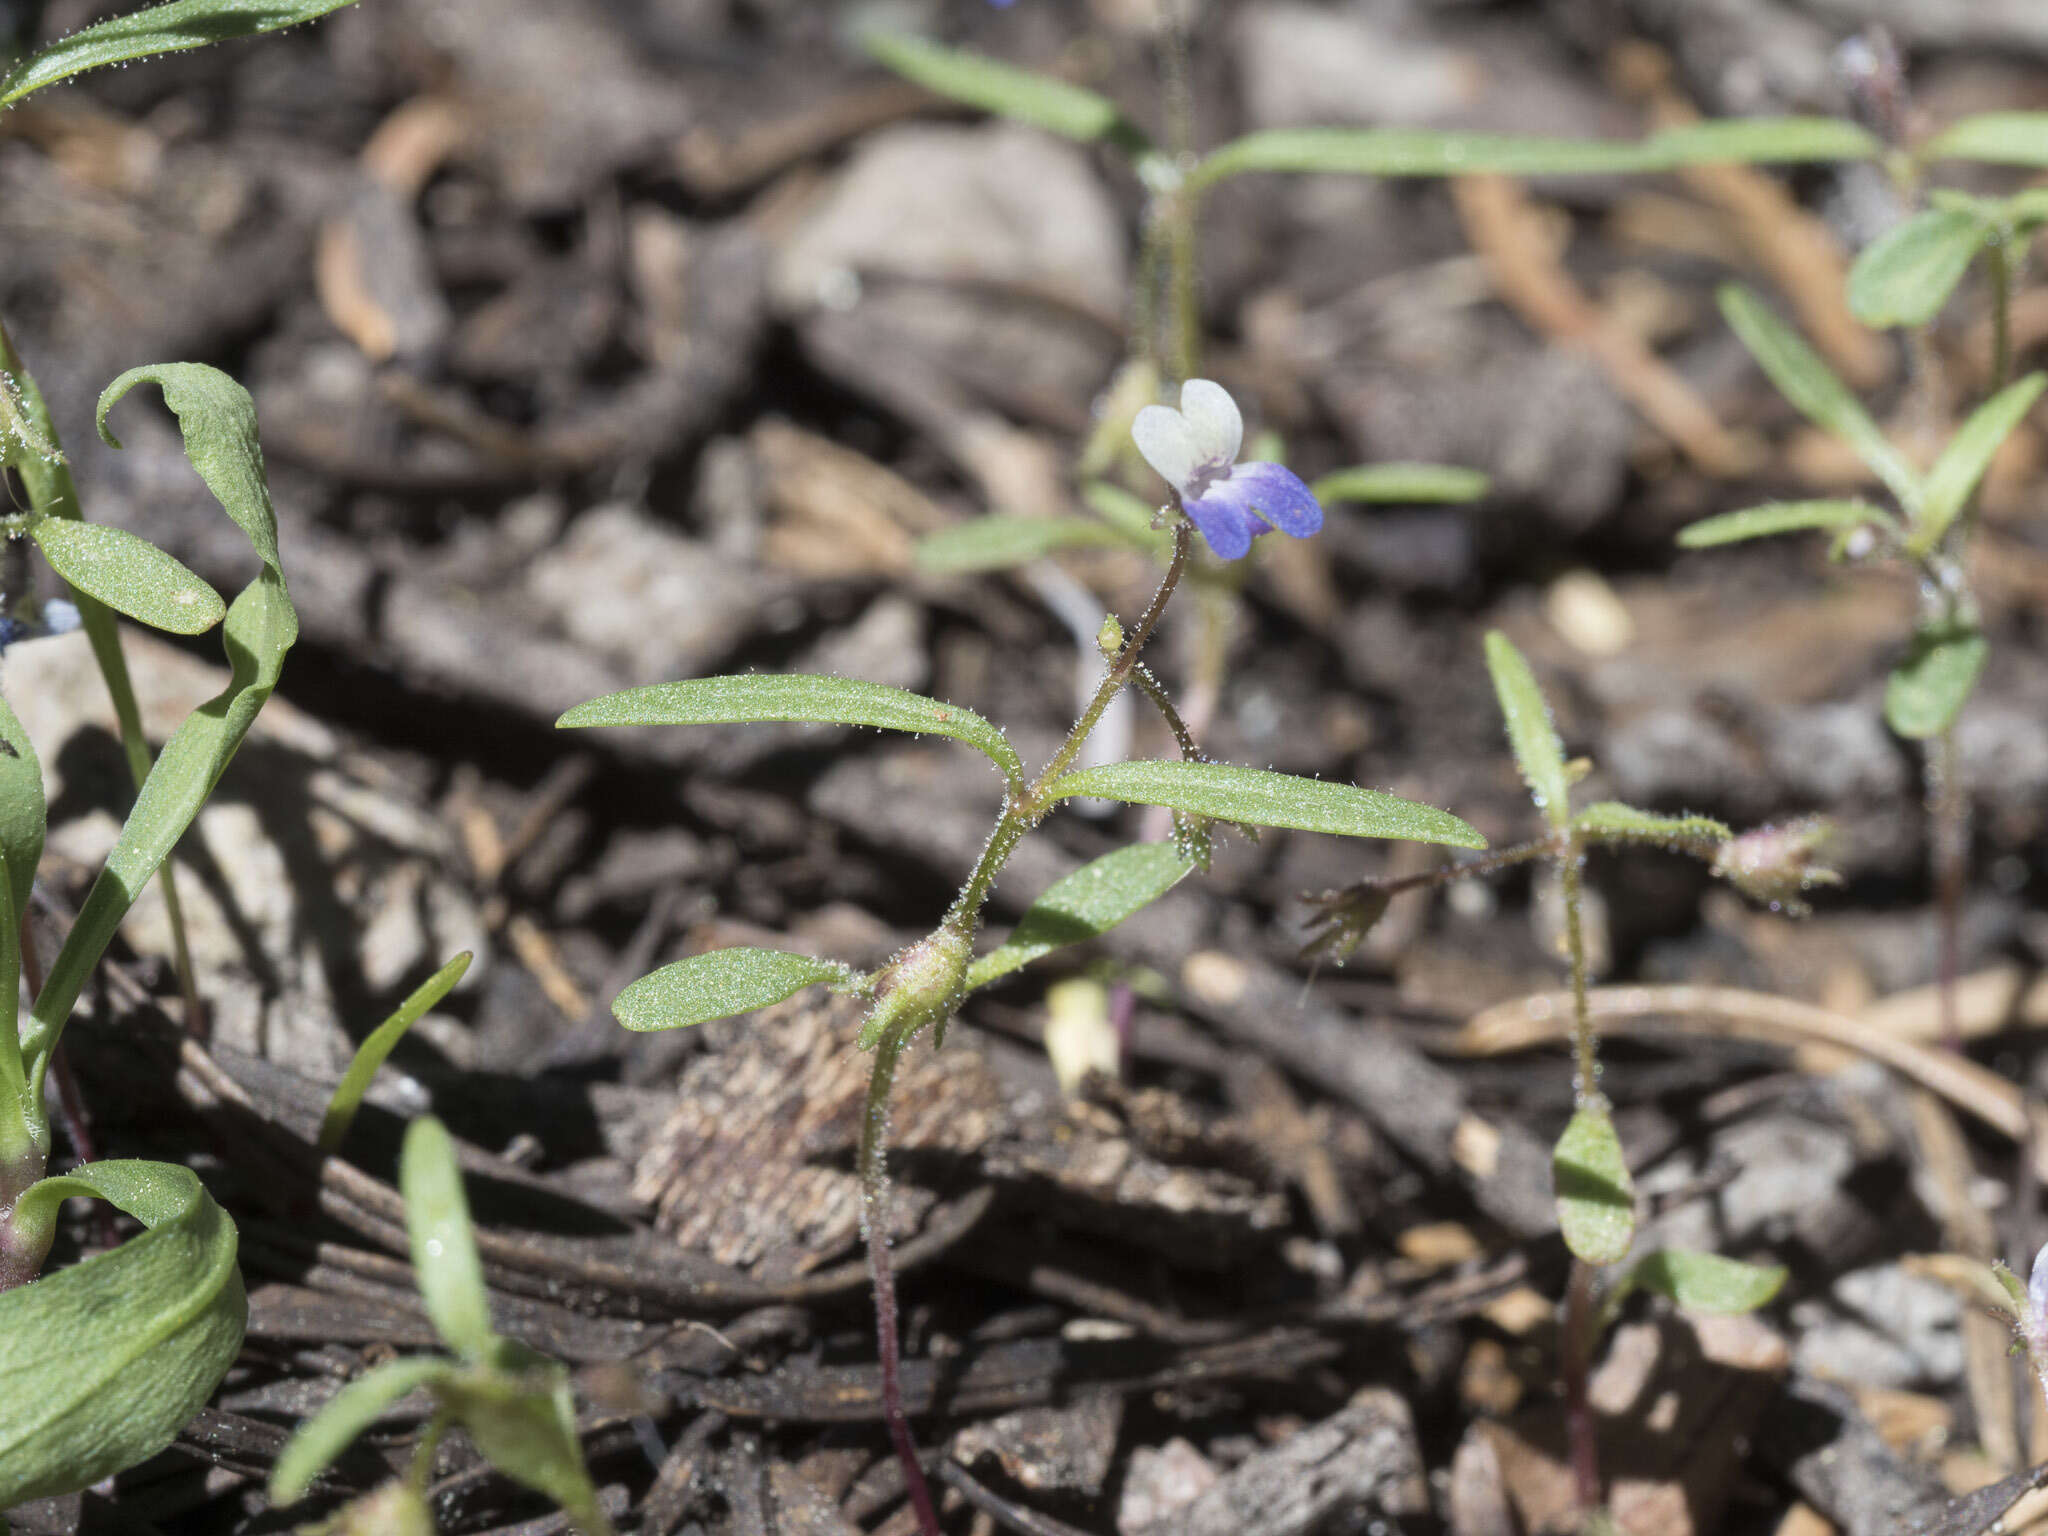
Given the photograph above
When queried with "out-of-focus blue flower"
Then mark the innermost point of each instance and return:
(1195, 451)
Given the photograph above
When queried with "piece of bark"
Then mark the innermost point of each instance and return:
(1365, 1454)
(1676, 1403)
(1067, 1449)
(1419, 1105)
(1813, 1433)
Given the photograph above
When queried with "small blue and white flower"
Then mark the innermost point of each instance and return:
(1195, 451)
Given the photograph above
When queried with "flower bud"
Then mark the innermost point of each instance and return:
(1776, 864)
(1110, 638)
(921, 986)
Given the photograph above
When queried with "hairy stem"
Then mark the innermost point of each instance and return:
(1581, 1428)
(2000, 265)
(874, 1186)
(1585, 1044)
(1024, 810)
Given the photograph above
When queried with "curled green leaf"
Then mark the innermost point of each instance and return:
(372, 1053)
(1905, 277)
(1783, 517)
(1401, 483)
(157, 29)
(129, 575)
(721, 983)
(763, 698)
(1084, 905)
(1930, 685)
(1258, 797)
(1538, 752)
(218, 423)
(102, 1363)
(1596, 1199)
(444, 1255)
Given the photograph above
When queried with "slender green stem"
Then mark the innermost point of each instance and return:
(1154, 690)
(2000, 264)
(1585, 1044)
(1553, 845)
(52, 493)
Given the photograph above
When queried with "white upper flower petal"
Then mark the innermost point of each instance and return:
(1218, 428)
(1167, 440)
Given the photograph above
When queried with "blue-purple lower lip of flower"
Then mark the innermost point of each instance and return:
(1232, 512)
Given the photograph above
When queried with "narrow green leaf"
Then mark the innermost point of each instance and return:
(1538, 752)
(1762, 141)
(1018, 94)
(1401, 482)
(1807, 382)
(1418, 152)
(371, 1054)
(777, 697)
(1432, 152)
(218, 422)
(1706, 1282)
(1131, 516)
(2025, 211)
(1262, 798)
(1084, 905)
(157, 29)
(999, 542)
(1905, 277)
(346, 1415)
(1962, 463)
(1999, 138)
(1596, 1200)
(22, 811)
(1782, 517)
(1929, 687)
(1609, 821)
(129, 575)
(444, 1252)
(719, 984)
(101, 1363)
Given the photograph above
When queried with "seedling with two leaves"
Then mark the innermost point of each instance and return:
(1596, 1201)
(514, 1403)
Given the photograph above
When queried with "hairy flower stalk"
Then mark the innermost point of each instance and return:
(921, 988)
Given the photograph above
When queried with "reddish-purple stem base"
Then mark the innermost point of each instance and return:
(883, 1271)
(1581, 1428)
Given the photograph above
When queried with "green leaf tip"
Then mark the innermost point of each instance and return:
(1932, 682)
(720, 984)
(1777, 517)
(1954, 478)
(444, 1253)
(157, 29)
(1709, 1283)
(1259, 797)
(1085, 905)
(1811, 386)
(796, 699)
(372, 1053)
(1531, 735)
(1596, 1199)
(1905, 277)
(1021, 95)
(130, 575)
